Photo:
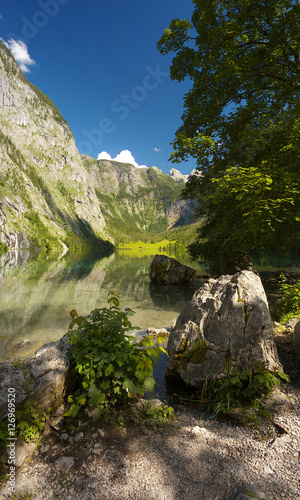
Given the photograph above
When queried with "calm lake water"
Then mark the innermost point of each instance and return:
(36, 296)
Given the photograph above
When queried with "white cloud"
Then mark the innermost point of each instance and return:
(1, 17)
(19, 50)
(156, 149)
(124, 157)
(104, 156)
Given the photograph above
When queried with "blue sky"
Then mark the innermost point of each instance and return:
(98, 61)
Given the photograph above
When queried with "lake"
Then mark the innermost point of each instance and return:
(36, 296)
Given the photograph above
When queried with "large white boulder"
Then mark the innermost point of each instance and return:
(227, 322)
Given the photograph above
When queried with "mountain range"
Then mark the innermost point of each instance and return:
(51, 197)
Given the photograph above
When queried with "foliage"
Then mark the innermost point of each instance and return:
(288, 306)
(31, 420)
(110, 365)
(3, 248)
(240, 121)
(156, 417)
(240, 388)
(85, 240)
(43, 98)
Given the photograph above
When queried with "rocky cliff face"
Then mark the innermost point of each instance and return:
(45, 192)
(142, 199)
(51, 197)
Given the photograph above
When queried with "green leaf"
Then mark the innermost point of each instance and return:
(85, 384)
(77, 321)
(150, 351)
(108, 371)
(149, 383)
(22, 425)
(129, 385)
(73, 411)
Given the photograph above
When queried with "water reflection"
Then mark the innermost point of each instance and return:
(171, 296)
(13, 258)
(37, 295)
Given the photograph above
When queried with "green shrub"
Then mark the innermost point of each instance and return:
(240, 388)
(288, 306)
(31, 420)
(155, 417)
(110, 365)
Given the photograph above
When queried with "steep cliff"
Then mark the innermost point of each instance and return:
(52, 197)
(46, 197)
(137, 199)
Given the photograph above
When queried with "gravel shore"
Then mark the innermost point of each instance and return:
(197, 457)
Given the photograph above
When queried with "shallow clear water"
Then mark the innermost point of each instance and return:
(36, 296)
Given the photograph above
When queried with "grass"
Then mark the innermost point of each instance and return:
(142, 249)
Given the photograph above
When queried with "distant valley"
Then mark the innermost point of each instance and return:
(53, 198)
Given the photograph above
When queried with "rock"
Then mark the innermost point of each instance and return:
(296, 340)
(11, 379)
(50, 357)
(57, 420)
(289, 326)
(177, 175)
(277, 401)
(64, 436)
(240, 415)
(78, 436)
(23, 451)
(227, 319)
(64, 464)
(49, 367)
(280, 441)
(159, 332)
(45, 373)
(248, 492)
(22, 344)
(168, 271)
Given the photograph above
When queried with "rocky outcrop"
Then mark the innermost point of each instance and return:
(227, 321)
(14, 240)
(177, 175)
(168, 271)
(43, 377)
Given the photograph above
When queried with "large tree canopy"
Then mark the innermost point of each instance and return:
(241, 121)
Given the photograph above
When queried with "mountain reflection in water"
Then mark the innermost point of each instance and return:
(36, 296)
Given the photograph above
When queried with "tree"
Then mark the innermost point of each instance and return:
(241, 123)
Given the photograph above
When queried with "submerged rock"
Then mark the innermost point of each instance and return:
(227, 321)
(168, 271)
